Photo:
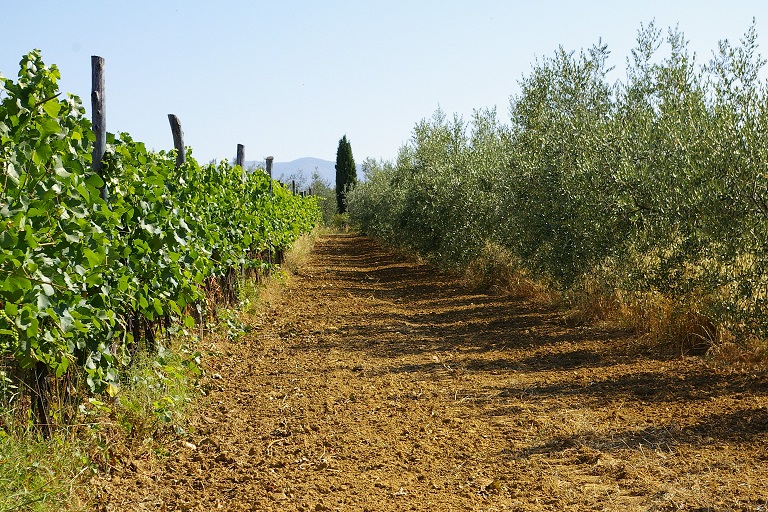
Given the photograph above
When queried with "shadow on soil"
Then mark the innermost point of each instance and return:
(435, 314)
(742, 426)
(432, 314)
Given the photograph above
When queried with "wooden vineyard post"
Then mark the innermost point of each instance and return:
(241, 159)
(293, 187)
(178, 139)
(99, 120)
(270, 159)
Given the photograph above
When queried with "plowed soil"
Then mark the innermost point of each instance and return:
(376, 383)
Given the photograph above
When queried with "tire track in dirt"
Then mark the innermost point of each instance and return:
(375, 383)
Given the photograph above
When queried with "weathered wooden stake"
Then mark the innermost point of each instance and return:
(270, 159)
(178, 139)
(241, 159)
(293, 187)
(99, 119)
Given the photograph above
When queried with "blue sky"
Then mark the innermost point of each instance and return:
(288, 78)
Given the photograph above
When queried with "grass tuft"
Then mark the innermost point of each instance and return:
(297, 256)
(668, 326)
(495, 270)
(40, 474)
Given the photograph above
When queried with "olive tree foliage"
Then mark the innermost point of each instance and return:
(434, 197)
(656, 183)
(556, 203)
(738, 210)
(326, 197)
(663, 180)
(689, 162)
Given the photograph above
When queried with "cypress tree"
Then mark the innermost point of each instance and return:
(346, 173)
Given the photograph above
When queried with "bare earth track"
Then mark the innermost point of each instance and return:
(374, 383)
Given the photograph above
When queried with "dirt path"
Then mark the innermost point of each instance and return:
(374, 383)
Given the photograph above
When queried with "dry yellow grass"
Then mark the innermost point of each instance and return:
(668, 326)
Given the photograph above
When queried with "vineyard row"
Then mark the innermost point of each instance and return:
(97, 253)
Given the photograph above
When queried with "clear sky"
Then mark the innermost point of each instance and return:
(289, 77)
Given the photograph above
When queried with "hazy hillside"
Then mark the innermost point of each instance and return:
(304, 167)
(307, 167)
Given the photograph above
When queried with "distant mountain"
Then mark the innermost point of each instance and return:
(307, 167)
(300, 169)
(303, 168)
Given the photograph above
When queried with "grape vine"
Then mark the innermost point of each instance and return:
(83, 279)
